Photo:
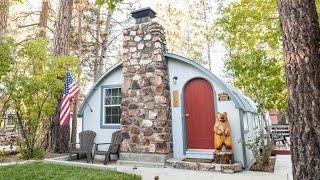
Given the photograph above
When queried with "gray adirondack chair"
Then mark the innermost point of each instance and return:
(114, 147)
(86, 139)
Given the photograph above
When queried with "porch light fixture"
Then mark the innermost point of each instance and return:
(175, 78)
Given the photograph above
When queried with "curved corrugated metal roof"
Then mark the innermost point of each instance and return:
(80, 113)
(241, 101)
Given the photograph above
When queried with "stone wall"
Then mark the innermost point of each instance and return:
(145, 106)
(8, 136)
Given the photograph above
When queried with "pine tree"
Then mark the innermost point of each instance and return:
(4, 11)
(300, 32)
(59, 135)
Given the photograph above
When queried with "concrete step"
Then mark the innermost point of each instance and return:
(152, 158)
(199, 153)
(141, 164)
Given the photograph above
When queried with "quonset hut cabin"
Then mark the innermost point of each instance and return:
(165, 102)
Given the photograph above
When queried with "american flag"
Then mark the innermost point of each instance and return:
(70, 91)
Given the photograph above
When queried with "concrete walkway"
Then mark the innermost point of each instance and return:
(282, 172)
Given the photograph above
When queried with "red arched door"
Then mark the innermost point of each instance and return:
(199, 114)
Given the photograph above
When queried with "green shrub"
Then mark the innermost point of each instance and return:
(31, 153)
(2, 153)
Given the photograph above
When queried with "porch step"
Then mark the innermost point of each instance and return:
(198, 166)
(143, 159)
(200, 153)
(141, 164)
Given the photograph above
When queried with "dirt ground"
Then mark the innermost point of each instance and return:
(16, 158)
(264, 167)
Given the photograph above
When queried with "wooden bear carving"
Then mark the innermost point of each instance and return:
(222, 132)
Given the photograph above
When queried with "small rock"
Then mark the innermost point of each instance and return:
(157, 80)
(136, 55)
(125, 32)
(159, 58)
(136, 77)
(139, 31)
(126, 38)
(125, 58)
(147, 132)
(125, 50)
(157, 45)
(160, 99)
(133, 106)
(153, 114)
(218, 168)
(140, 46)
(133, 49)
(147, 37)
(147, 61)
(137, 38)
(150, 69)
(146, 123)
(142, 70)
(148, 44)
(133, 61)
(133, 33)
(229, 171)
(149, 75)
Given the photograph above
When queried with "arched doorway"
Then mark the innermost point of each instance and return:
(199, 114)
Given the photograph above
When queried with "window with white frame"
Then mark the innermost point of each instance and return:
(255, 121)
(245, 122)
(111, 105)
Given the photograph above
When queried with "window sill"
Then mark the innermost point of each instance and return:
(110, 126)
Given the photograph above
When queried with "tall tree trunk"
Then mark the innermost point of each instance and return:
(300, 31)
(62, 33)
(4, 11)
(43, 21)
(76, 99)
(105, 40)
(98, 47)
(98, 65)
(209, 55)
(207, 33)
(59, 135)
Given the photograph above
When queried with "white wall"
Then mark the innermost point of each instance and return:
(186, 72)
(250, 134)
(91, 120)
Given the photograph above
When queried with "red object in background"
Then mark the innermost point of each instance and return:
(199, 114)
(280, 152)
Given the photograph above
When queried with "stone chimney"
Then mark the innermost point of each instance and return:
(145, 105)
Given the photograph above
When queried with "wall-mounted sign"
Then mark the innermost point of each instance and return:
(176, 102)
(223, 97)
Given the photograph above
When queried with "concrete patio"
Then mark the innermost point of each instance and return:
(282, 171)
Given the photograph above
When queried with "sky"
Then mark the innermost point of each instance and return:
(218, 50)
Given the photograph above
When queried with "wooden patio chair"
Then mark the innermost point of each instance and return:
(114, 147)
(279, 137)
(86, 139)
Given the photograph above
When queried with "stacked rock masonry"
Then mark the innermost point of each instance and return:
(145, 105)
